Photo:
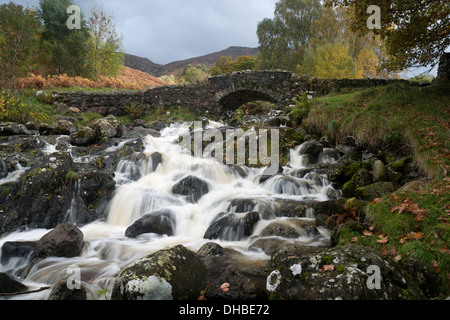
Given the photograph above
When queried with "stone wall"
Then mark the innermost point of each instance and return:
(216, 94)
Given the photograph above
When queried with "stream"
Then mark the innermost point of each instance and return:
(108, 250)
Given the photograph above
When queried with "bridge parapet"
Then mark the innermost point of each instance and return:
(216, 94)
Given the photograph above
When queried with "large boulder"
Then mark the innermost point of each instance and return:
(66, 240)
(107, 128)
(192, 188)
(292, 208)
(349, 273)
(161, 222)
(84, 136)
(12, 129)
(312, 147)
(56, 191)
(176, 273)
(65, 127)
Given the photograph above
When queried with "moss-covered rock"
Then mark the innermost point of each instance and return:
(348, 189)
(84, 137)
(349, 171)
(176, 273)
(376, 190)
(343, 273)
(400, 164)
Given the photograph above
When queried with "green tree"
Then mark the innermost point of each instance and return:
(66, 48)
(415, 33)
(244, 63)
(308, 66)
(225, 65)
(366, 63)
(283, 39)
(194, 74)
(334, 61)
(105, 51)
(366, 50)
(19, 33)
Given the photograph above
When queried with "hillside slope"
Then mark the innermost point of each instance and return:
(126, 79)
(176, 67)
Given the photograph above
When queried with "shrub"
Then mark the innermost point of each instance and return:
(135, 110)
(14, 109)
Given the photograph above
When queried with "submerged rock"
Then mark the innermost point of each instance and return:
(9, 285)
(161, 222)
(176, 273)
(232, 227)
(17, 249)
(191, 187)
(290, 228)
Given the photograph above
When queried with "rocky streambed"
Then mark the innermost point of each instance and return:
(116, 212)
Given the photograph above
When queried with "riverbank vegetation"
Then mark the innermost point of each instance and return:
(398, 121)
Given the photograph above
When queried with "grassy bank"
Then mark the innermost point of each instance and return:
(393, 121)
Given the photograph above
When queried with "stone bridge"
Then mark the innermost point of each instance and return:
(217, 95)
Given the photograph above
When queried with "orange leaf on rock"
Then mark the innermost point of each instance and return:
(327, 267)
(225, 287)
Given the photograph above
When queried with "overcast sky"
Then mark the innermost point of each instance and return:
(169, 30)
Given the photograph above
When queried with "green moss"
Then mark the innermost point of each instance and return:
(355, 203)
(6, 191)
(348, 189)
(326, 259)
(349, 171)
(361, 193)
(274, 296)
(340, 268)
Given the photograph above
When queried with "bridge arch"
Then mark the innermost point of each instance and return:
(235, 99)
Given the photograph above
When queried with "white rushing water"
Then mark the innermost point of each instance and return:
(108, 250)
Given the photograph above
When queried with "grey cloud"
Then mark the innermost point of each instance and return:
(168, 30)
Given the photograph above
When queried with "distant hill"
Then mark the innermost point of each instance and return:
(143, 64)
(176, 67)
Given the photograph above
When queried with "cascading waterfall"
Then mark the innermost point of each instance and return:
(145, 186)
